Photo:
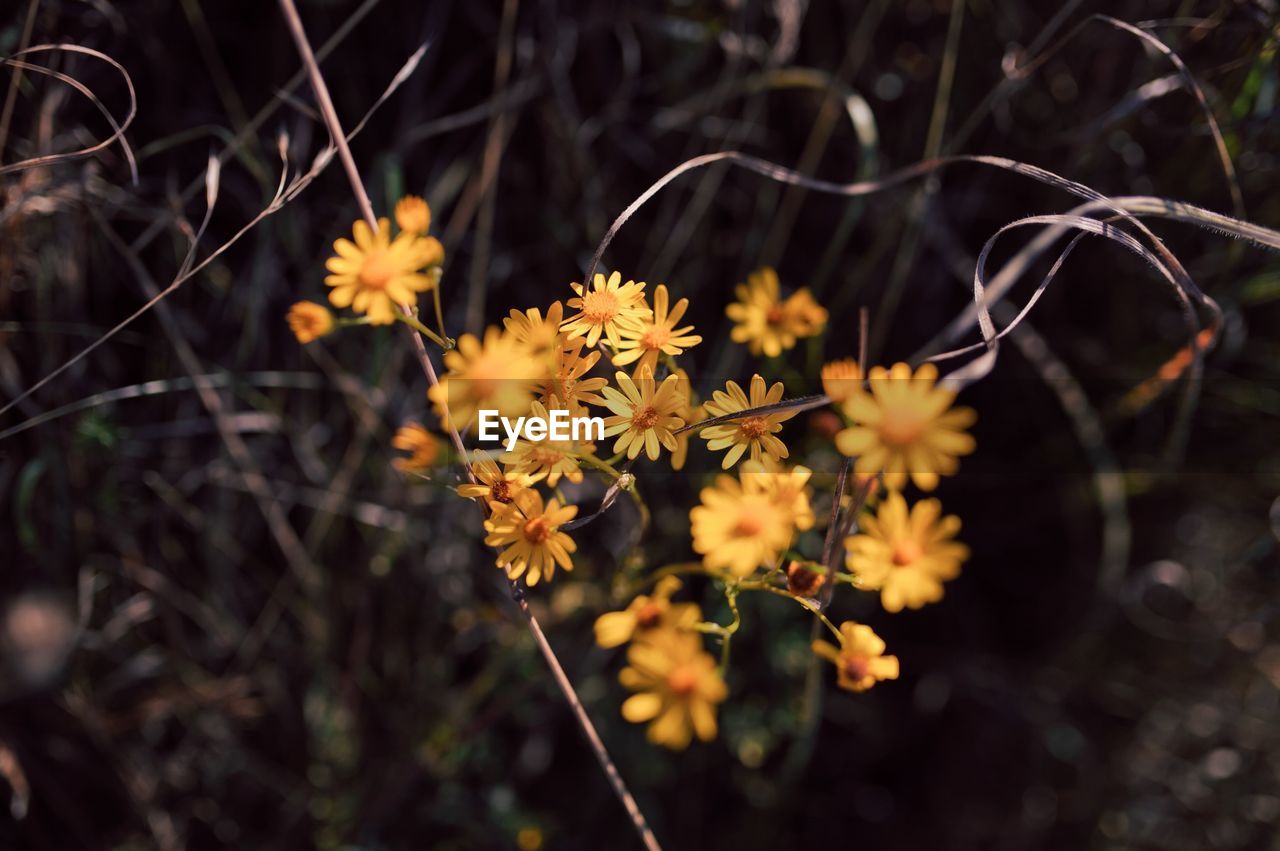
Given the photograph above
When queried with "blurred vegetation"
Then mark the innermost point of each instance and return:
(169, 679)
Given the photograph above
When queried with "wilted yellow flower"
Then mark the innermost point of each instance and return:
(678, 688)
(902, 427)
(423, 446)
(841, 379)
(567, 382)
(606, 307)
(531, 536)
(756, 432)
(738, 528)
(539, 333)
(805, 578)
(906, 556)
(645, 614)
(860, 661)
(308, 321)
(644, 413)
(375, 274)
(658, 334)
(493, 484)
(765, 322)
(547, 459)
(497, 374)
(787, 488)
(413, 215)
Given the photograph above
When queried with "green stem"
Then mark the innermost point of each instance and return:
(412, 321)
(760, 586)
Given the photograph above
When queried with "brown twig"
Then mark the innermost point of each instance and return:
(362, 197)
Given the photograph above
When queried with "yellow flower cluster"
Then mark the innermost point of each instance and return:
(746, 523)
(676, 683)
(768, 323)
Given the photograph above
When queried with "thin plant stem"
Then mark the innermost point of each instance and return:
(557, 671)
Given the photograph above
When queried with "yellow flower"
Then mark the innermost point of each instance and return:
(567, 382)
(645, 415)
(374, 274)
(547, 459)
(841, 379)
(906, 556)
(531, 535)
(413, 215)
(788, 489)
(606, 307)
(646, 615)
(765, 322)
(423, 448)
(308, 321)
(804, 316)
(860, 661)
(738, 528)
(657, 335)
(690, 413)
(496, 374)
(493, 484)
(540, 334)
(902, 427)
(755, 432)
(678, 688)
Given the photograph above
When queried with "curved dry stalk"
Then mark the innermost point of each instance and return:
(548, 653)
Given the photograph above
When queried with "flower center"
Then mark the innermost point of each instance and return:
(644, 419)
(655, 338)
(682, 680)
(855, 667)
(501, 491)
(649, 615)
(599, 306)
(775, 315)
(906, 552)
(537, 530)
(753, 427)
(748, 526)
(901, 429)
(376, 271)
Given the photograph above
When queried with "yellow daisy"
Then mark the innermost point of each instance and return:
(606, 307)
(690, 413)
(493, 484)
(496, 374)
(644, 413)
(547, 459)
(568, 381)
(787, 488)
(658, 335)
(841, 379)
(413, 215)
(374, 274)
(860, 661)
(738, 528)
(645, 615)
(765, 322)
(309, 321)
(906, 556)
(902, 427)
(539, 333)
(755, 433)
(677, 689)
(424, 448)
(531, 537)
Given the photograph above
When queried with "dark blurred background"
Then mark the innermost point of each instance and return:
(226, 621)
